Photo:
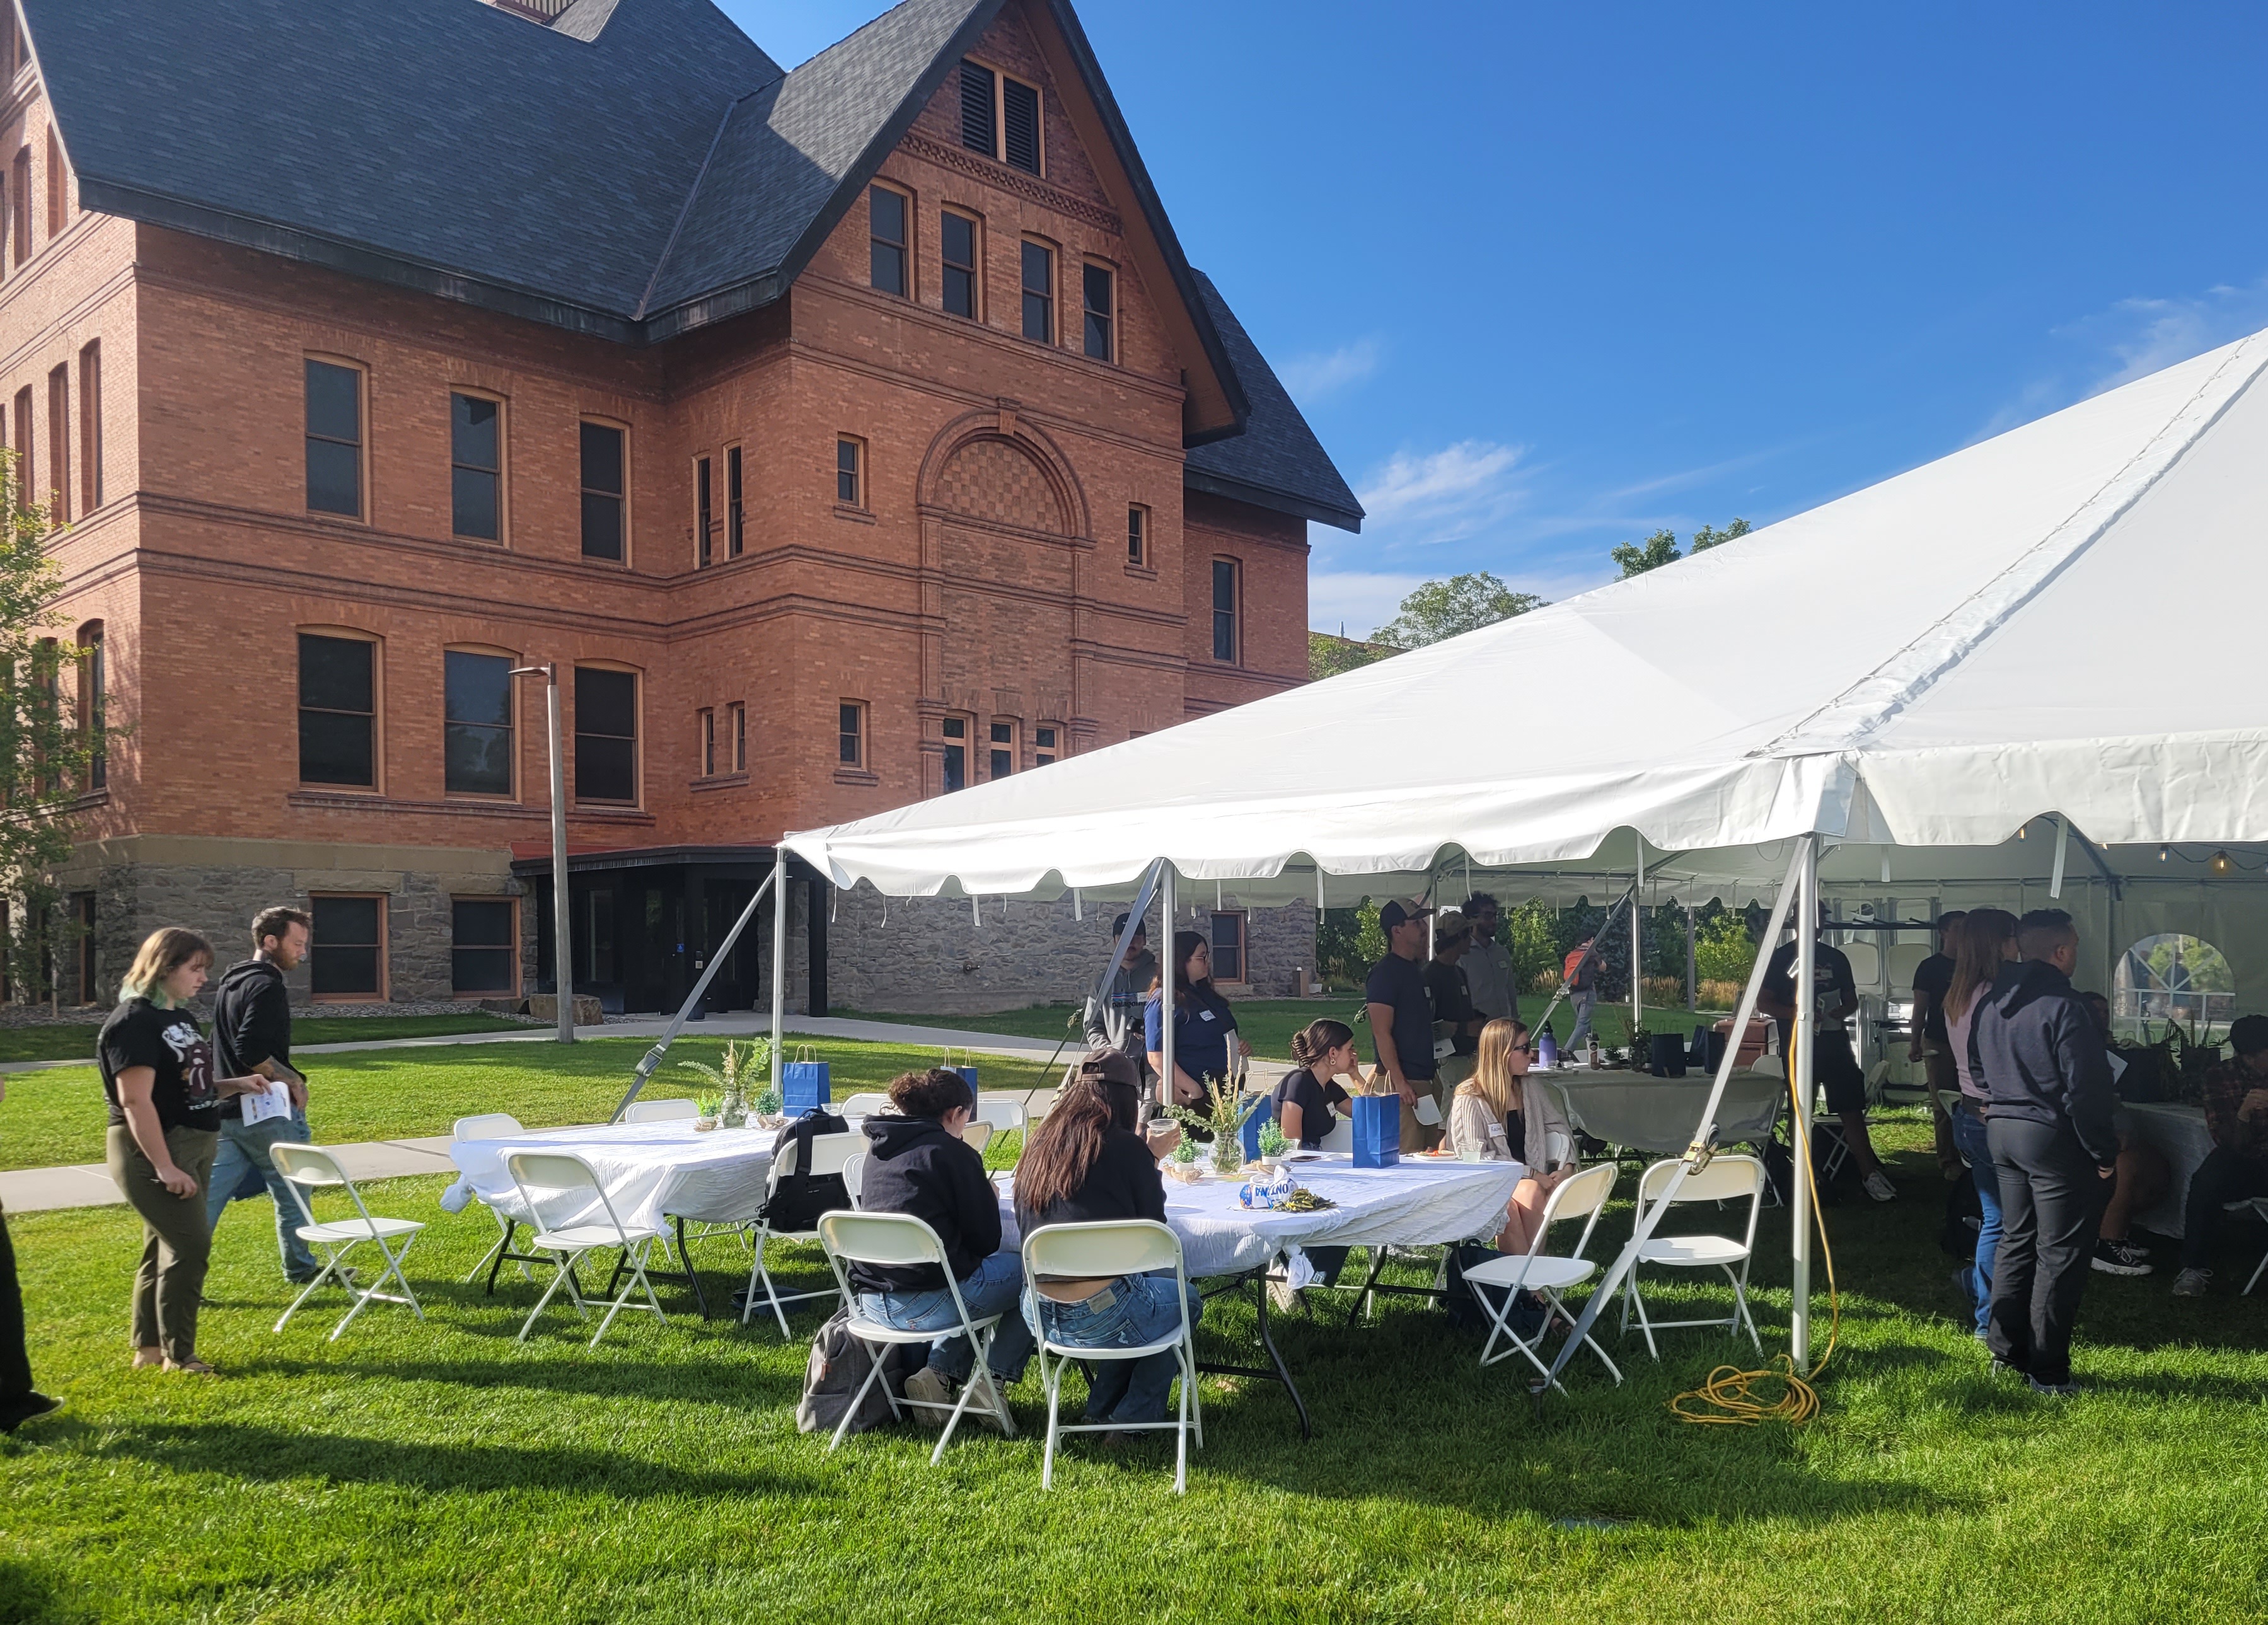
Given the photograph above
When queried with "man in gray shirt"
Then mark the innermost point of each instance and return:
(1487, 963)
(1121, 1007)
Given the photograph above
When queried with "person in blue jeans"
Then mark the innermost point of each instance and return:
(1985, 940)
(918, 1163)
(1085, 1163)
(252, 1035)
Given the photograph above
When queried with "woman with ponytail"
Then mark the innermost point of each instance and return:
(1310, 1093)
(1493, 1111)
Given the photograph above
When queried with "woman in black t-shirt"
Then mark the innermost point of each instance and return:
(165, 1126)
(1085, 1163)
(1309, 1095)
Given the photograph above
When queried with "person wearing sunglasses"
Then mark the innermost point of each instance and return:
(1496, 1116)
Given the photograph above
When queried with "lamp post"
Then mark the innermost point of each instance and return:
(562, 955)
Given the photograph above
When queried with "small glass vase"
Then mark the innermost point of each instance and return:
(734, 1114)
(1227, 1151)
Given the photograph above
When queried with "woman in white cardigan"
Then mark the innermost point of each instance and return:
(1493, 1111)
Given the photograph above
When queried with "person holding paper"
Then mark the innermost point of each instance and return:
(252, 1036)
(164, 1122)
(1495, 1116)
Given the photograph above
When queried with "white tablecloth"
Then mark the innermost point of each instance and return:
(652, 1171)
(1418, 1201)
(1650, 1114)
(2180, 1133)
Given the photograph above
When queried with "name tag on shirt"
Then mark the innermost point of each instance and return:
(1204, 1015)
(1496, 1131)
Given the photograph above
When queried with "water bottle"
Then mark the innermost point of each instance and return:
(1547, 1050)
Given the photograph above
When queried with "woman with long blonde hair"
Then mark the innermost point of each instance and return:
(1496, 1117)
(165, 1126)
(1985, 941)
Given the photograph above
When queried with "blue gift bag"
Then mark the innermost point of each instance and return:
(966, 1067)
(803, 1082)
(1377, 1130)
(1263, 1114)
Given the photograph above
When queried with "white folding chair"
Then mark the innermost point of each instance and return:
(589, 1225)
(494, 1126)
(2258, 1207)
(663, 1111)
(307, 1168)
(976, 1134)
(1114, 1247)
(1579, 1196)
(854, 1175)
(1725, 1179)
(829, 1154)
(1006, 1116)
(1341, 1137)
(863, 1105)
(898, 1240)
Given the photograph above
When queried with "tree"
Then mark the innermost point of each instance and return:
(1660, 548)
(44, 749)
(1441, 609)
(1329, 655)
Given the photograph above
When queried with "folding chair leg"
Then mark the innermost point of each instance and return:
(2256, 1273)
(308, 1291)
(1741, 1308)
(1590, 1342)
(561, 1273)
(1182, 1441)
(1052, 1381)
(874, 1371)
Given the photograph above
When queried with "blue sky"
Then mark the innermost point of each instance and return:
(1547, 278)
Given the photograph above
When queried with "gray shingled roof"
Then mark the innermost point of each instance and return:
(1276, 462)
(637, 170)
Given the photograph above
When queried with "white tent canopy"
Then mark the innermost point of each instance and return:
(2033, 626)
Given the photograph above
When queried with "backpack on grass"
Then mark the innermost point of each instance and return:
(836, 1371)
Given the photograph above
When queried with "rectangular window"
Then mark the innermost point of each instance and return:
(1228, 947)
(93, 699)
(851, 734)
(58, 187)
(476, 467)
(1043, 745)
(604, 488)
(885, 226)
(735, 510)
(848, 474)
(477, 742)
(20, 188)
(1003, 749)
(956, 753)
(483, 947)
(606, 735)
(740, 737)
(1138, 533)
(1102, 311)
(90, 426)
(347, 960)
(708, 728)
(1225, 638)
(1019, 125)
(338, 710)
(26, 484)
(1039, 293)
(334, 439)
(978, 117)
(957, 235)
(704, 522)
(59, 492)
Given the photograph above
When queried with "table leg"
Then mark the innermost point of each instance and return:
(1257, 1279)
(687, 1274)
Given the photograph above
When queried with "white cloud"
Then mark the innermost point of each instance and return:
(1446, 495)
(1360, 601)
(1315, 377)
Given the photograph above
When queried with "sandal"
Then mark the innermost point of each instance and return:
(193, 1365)
(148, 1356)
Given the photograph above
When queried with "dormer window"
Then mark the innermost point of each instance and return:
(1000, 117)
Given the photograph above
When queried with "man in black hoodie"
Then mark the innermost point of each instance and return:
(2041, 1057)
(251, 1031)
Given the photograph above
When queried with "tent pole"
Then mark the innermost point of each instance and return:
(1168, 973)
(1705, 1135)
(779, 954)
(1800, 1068)
(652, 1057)
(1637, 954)
(1692, 986)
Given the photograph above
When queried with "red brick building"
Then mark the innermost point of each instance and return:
(844, 435)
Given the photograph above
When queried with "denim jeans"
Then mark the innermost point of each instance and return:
(243, 1163)
(991, 1287)
(1969, 1137)
(1132, 1310)
(1586, 1002)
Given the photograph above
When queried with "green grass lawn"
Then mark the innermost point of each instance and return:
(77, 1042)
(57, 1117)
(437, 1471)
(1268, 1024)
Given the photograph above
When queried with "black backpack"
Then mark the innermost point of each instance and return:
(838, 1368)
(1461, 1299)
(799, 1198)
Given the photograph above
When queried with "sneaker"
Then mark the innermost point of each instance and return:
(2001, 1368)
(979, 1411)
(2192, 1283)
(27, 1408)
(931, 1386)
(2064, 1390)
(2121, 1258)
(1879, 1186)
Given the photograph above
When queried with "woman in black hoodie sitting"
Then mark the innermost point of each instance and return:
(918, 1163)
(1085, 1163)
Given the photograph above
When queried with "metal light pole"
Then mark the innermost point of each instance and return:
(563, 958)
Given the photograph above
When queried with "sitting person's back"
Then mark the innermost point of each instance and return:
(914, 1165)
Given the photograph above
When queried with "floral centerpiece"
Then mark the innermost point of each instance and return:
(1226, 1109)
(741, 1064)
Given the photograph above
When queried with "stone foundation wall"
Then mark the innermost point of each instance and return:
(927, 956)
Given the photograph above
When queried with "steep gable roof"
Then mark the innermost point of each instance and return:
(1276, 462)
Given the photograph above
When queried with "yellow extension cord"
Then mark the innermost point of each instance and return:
(1731, 1391)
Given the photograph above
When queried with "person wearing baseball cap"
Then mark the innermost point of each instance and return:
(1400, 1011)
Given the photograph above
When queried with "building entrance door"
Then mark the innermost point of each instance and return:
(655, 977)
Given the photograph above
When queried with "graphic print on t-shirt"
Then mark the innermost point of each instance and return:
(190, 1049)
